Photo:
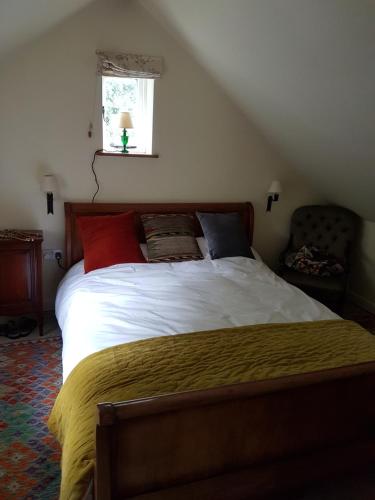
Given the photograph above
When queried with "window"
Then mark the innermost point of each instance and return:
(128, 86)
(135, 95)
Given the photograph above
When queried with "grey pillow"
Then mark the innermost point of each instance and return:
(225, 234)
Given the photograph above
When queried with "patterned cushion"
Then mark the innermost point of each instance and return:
(170, 237)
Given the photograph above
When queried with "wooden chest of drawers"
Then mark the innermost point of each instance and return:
(21, 274)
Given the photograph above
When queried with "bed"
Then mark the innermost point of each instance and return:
(197, 425)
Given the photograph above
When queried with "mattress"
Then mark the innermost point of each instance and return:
(130, 302)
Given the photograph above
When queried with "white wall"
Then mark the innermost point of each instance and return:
(363, 276)
(209, 151)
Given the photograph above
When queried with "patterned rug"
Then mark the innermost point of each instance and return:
(30, 378)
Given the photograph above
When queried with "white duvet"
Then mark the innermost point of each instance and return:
(129, 302)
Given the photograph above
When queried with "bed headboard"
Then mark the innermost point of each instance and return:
(73, 247)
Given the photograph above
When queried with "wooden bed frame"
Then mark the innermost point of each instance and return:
(245, 441)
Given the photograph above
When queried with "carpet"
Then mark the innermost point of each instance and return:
(30, 378)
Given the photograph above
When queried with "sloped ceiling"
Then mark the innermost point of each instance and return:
(23, 20)
(304, 70)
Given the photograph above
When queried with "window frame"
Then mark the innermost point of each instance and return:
(146, 95)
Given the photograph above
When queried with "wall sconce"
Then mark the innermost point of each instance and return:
(273, 194)
(49, 186)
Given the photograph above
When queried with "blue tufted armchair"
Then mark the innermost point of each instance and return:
(332, 230)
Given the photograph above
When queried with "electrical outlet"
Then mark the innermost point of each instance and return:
(48, 254)
(51, 254)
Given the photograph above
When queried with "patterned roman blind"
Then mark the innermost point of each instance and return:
(128, 65)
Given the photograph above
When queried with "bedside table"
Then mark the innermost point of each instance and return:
(21, 274)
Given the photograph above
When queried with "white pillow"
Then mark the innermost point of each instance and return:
(203, 247)
(202, 243)
(144, 250)
(256, 255)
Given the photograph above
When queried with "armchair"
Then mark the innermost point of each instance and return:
(332, 230)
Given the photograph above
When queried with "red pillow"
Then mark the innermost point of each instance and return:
(109, 240)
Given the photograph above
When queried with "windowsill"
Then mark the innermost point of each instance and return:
(131, 155)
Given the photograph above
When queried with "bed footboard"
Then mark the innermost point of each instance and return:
(237, 442)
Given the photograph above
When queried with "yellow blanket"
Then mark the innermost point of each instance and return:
(188, 362)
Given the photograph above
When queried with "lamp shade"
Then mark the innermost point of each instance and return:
(49, 184)
(125, 120)
(275, 187)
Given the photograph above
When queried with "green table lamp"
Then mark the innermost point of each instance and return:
(125, 122)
